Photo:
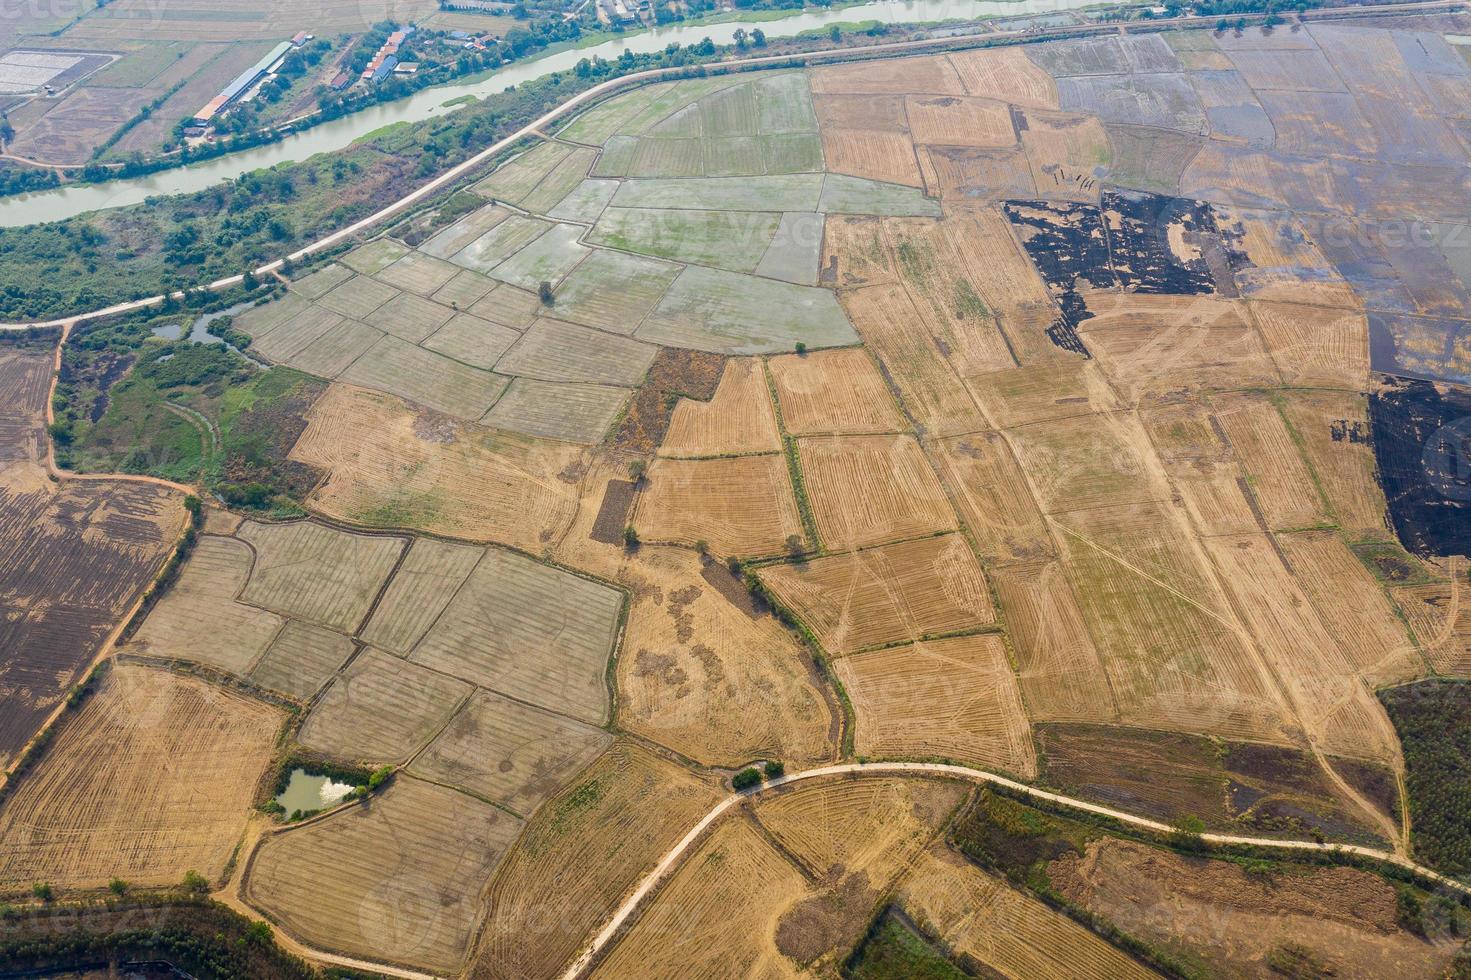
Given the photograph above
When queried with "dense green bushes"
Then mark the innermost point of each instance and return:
(1433, 719)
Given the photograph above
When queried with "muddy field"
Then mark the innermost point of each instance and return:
(74, 556)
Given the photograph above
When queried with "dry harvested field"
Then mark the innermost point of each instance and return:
(398, 881)
(741, 505)
(871, 826)
(870, 489)
(316, 573)
(711, 679)
(954, 699)
(153, 776)
(737, 419)
(838, 392)
(718, 915)
(74, 556)
(1014, 934)
(889, 594)
(389, 463)
(1342, 918)
(579, 855)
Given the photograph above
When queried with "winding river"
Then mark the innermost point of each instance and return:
(65, 202)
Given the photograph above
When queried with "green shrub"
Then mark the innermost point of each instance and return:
(746, 778)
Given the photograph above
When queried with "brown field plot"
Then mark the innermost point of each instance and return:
(1331, 429)
(1316, 345)
(718, 914)
(930, 74)
(507, 752)
(874, 154)
(955, 699)
(836, 392)
(951, 121)
(1160, 346)
(397, 881)
(380, 710)
(1440, 616)
(1353, 607)
(1342, 917)
(1089, 461)
(870, 489)
(390, 463)
(704, 676)
(893, 328)
(1007, 75)
(313, 572)
(876, 827)
(739, 506)
(1058, 667)
(1014, 934)
(1281, 481)
(1174, 656)
(152, 777)
(889, 594)
(530, 631)
(579, 855)
(1330, 701)
(993, 496)
(738, 419)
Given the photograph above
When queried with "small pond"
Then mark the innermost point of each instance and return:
(306, 792)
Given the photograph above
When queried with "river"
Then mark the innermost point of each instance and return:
(65, 202)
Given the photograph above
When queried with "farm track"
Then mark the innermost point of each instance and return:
(868, 52)
(671, 859)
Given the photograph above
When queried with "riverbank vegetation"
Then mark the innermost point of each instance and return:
(130, 400)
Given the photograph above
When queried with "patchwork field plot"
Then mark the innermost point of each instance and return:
(834, 392)
(100, 805)
(416, 903)
(578, 413)
(313, 572)
(391, 463)
(578, 857)
(955, 699)
(870, 489)
(731, 893)
(992, 496)
(741, 505)
(872, 827)
(301, 660)
(422, 586)
(738, 419)
(381, 710)
(551, 350)
(200, 620)
(885, 595)
(704, 673)
(509, 753)
(1014, 934)
(530, 631)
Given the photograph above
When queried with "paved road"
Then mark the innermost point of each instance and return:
(728, 65)
(672, 858)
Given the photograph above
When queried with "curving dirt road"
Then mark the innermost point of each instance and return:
(673, 856)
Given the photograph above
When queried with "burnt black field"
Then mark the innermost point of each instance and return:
(1422, 443)
(1125, 243)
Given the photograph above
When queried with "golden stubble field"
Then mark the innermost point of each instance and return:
(1023, 485)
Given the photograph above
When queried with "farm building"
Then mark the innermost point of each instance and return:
(242, 84)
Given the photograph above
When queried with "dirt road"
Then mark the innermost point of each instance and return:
(672, 858)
